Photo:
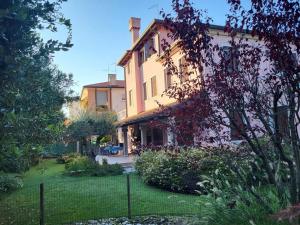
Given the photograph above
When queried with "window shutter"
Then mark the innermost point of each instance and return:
(153, 86)
(101, 98)
(168, 79)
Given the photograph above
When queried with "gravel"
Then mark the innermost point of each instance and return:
(146, 220)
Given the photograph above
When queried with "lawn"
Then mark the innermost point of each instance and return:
(70, 199)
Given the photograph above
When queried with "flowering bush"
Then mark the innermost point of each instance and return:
(178, 172)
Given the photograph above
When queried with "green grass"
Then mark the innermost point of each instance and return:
(82, 198)
(69, 199)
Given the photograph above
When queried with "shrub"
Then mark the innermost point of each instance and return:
(9, 183)
(105, 139)
(176, 172)
(82, 165)
(67, 158)
(58, 150)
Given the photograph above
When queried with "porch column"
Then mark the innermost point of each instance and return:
(125, 146)
(143, 130)
(170, 137)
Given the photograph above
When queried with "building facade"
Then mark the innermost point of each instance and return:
(147, 79)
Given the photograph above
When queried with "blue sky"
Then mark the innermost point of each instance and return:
(101, 36)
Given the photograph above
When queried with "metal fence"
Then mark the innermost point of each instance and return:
(87, 199)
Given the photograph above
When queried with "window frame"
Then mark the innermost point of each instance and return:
(153, 86)
(145, 90)
(106, 93)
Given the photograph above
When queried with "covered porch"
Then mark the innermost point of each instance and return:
(138, 131)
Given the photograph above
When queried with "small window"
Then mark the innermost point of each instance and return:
(149, 48)
(101, 98)
(168, 78)
(183, 69)
(141, 57)
(145, 90)
(153, 86)
(130, 97)
(230, 57)
(123, 97)
(237, 125)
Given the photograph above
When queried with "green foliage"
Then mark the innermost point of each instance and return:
(67, 158)
(217, 211)
(105, 139)
(33, 90)
(9, 183)
(176, 172)
(14, 159)
(241, 172)
(58, 149)
(84, 166)
(88, 124)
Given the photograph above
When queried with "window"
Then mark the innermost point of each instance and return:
(236, 124)
(168, 78)
(158, 44)
(101, 98)
(130, 97)
(123, 97)
(149, 48)
(153, 86)
(145, 90)
(230, 57)
(141, 57)
(183, 72)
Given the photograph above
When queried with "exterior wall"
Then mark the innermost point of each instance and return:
(140, 74)
(131, 86)
(116, 102)
(117, 99)
(153, 66)
(91, 100)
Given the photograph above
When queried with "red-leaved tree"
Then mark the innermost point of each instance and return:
(247, 89)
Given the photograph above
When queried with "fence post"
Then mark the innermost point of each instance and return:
(128, 197)
(42, 207)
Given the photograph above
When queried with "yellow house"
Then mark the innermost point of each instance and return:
(105, 96)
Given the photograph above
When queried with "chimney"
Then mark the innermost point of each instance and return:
(112, 79)
(134, 28)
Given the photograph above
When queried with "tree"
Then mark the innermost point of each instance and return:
(231, 90)
(88, 124)
(33, 90)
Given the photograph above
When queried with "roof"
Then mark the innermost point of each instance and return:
(117, 84)
(146, 116)
(148, 30)
(139, 118)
